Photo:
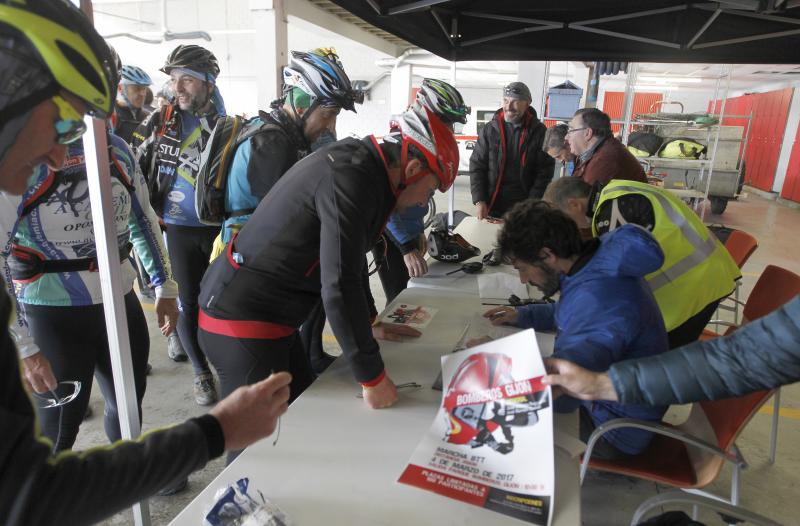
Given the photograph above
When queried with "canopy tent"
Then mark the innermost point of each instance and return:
(727, 32)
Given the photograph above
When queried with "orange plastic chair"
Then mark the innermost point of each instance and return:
(740, 246)
(775, 287)
(688, 456)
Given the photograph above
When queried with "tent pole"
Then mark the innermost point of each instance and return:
(630, 94)
(105, 238)
(451, 194)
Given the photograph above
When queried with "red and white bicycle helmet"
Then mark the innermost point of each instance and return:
(434, 139)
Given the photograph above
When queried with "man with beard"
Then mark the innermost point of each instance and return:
(605, 312)
(168, 145)
(508, 164)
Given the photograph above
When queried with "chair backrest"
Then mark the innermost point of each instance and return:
(741, 246)
(775, 287)
(719, 422)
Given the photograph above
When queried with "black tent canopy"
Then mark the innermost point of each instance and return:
(733, 31)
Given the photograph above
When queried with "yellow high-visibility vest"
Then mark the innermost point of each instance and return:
(697, 268)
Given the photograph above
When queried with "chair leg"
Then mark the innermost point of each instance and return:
(735, 484)
(736, 303)
(773, 442)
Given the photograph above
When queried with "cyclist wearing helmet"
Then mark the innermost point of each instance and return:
(129, 109)
(316, 88)
(508, 164)
(307, 240)
(405, 254)
(168, 146)
(59, 69)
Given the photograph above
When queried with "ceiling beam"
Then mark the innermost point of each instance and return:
(305, 11)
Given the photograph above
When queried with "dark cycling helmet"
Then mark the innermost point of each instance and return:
(450, 248)
(67, 47)
(321, 75)
(135, 76)
(444, 100)
(191, 56)
(434, 139)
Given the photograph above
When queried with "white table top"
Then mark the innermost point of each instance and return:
(481, 234)
(337, 462)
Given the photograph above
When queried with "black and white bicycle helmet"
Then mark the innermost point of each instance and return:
(321, 75)
(444, 100)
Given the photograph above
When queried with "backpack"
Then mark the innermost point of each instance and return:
(215, 165)
(681, 148)
(645, 141)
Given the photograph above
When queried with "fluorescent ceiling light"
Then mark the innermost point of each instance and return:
(672, 80)
(657, 87)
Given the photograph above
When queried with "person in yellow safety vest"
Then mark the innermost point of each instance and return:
(698, 271)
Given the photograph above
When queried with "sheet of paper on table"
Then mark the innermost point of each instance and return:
(501, 285)
(415, 316)
(491, 443)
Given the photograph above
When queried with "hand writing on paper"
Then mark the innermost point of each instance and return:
(393, 333)
(502, 315)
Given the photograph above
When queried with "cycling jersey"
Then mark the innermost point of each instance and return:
(61, 228)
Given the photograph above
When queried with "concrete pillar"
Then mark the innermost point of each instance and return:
(792, 122)
(401, 88)
(533, 75)
(271, 47)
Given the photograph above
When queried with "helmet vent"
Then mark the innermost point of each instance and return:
(83, 67)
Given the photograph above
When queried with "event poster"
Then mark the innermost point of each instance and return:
(491, 444)
(415, 316)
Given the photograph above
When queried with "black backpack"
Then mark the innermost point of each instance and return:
(215, 165)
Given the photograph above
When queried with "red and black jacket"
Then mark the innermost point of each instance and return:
(307, 239)
(487, 163)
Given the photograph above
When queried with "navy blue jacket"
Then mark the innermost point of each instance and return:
(606, 314)
(761, 355)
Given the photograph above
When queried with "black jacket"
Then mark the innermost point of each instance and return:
(761, 355)
(83, 488)
(307, 239)
(126, 120)
(486, 165)
(273, 151)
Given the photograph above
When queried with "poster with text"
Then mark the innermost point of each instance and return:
(491, 443)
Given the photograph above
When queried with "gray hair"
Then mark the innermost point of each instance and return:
(565, 188)
(555, 137)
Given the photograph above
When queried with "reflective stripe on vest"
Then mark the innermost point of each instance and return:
(699, 271)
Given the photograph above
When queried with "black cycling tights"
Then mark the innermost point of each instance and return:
(189, 249)
(74, 339)
(245, 361)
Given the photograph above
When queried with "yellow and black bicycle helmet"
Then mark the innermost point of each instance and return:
(66, 46)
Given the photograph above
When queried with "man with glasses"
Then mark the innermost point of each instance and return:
(508, 164)
(41, 111)
(600, 157)
(168, 145)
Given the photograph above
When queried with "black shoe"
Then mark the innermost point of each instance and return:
(177, 487)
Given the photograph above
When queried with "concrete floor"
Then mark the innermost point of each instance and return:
(607, 500)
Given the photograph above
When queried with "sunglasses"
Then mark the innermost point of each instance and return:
(70, 125)
(65, 393)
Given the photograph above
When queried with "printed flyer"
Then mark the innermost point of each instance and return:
(415, 316)
(491, 444)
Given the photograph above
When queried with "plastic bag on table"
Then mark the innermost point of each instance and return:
(235, 506)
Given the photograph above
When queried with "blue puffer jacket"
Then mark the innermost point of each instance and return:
(607, 314)
(761, 355)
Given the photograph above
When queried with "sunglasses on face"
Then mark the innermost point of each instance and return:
(70, 125)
